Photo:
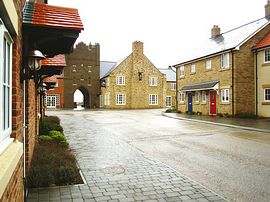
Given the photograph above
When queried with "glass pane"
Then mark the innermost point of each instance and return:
(8, 64)
(4, 56)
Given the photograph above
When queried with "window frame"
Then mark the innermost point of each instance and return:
(121, 101)
(197, 97)
(208, 64)
(6, 43)
(153, 81)
(170, 101)
(120, 80)
(225, 61)
(193, 69)
(182, 71)
(225, 93)
(101, 101)
(267, 56)
(203, 97)
(107, 99)
(173, 86)
(153, 101)
(181, 96)
(266, 94)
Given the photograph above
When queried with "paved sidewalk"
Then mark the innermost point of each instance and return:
(115, 171)
(260, 125)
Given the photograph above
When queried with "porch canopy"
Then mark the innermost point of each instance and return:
(208, 85)
(53, 66)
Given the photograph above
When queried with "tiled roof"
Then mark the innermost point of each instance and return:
(264, 42)
(44, 15)
(200, 86)
(105, 67)
(170, 74)
(52, 79)
(56, 61)
(225, 41)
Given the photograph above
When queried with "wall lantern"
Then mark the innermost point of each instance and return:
(140, 76)
(34, 59)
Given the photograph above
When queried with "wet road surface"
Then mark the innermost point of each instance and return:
(232, 162)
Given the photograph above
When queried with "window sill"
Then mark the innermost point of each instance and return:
(192, 73)
(208, 70)
(203, 103)
(224, 69)
(265, 103)
(9, 160)
(225, 103)
(182, 77)
(181, 103)
(266, 64)
(196, 103)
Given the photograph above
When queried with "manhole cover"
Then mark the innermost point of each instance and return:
(115, 170)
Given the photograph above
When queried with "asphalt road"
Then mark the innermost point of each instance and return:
(234, 163)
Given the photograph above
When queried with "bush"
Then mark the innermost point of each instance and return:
(51, 165)
(58, 137)
(49, 123)
(44, 138)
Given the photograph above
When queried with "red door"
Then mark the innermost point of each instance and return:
(213, 104)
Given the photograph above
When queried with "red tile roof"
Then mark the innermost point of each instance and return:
(56, 61)
(39, 14)
(52, 79)
(264, 42)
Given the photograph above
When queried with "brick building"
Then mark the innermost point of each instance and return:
(219, 78)
(20, 86)
(82, 73)
(134, 83)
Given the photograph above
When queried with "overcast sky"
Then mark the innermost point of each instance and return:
(169, 28)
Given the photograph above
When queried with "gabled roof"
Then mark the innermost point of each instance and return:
(264, 42)
(226, 41)
(40, 14)
(113, 67)
(56, 61)
(170, 74)
(105, 67)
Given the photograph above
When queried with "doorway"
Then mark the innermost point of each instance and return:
(213, 102)
(81, 99)
(190, 102)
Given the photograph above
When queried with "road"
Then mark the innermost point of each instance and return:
(232, 162)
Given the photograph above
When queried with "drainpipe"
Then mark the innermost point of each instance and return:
(232, 83)
(176, 96)
(256, 84)
(24, 137)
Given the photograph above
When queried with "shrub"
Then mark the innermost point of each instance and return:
(58, 137)
(49, 123)
(44, 138)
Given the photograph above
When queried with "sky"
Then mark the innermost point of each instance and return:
(169, 29)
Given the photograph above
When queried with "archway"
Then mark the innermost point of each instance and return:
(81, 99)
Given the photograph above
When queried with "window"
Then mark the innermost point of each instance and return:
(181, 96)
(153, 99)
(208, 64)
(225, 61)
(267, 55)
(197, 97)
(267, 94)
(173, 86)
(120, 80)
(204, 97)
(182, 71)
(107, 99)
(120, 99)
(153, 81)
(101, 101)
(107, 81)
(5, 87)
(168, 101)
(225, 95)
(52, 101)
(193, 68)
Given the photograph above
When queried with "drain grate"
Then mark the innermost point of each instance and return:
(115, 170)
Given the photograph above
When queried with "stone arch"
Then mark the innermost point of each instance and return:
(86, 96)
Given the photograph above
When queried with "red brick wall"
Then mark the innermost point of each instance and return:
(58, 90)
(14, 191)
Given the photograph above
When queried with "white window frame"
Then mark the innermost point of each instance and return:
(181, 97)
(153, 81)
(225, 61)
(203, 97)
(208, 64)
(153, 99)
(101, 101)
(173, 86)
(107, 99)
(56, 98)
(168, 101)
(266, 94)
(197, 97)
(120, 80)
(225, 95)
(193, 69)
(267, 56)
(5, 100)
(182, 71)
(107, 81)
(120, 99)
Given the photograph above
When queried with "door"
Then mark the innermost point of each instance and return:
(189, 102)
(168, 101)
(51, 101)
(213, 104)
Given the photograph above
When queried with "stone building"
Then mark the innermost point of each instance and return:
(82, 73)
(24, 29)
(134, 83)
(170, 100)
(219, 78)
(262, 76)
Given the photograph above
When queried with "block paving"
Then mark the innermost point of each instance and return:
(115, 171)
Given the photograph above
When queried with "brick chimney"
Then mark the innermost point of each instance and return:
(215, 31)
(267, 8)
(137, 48)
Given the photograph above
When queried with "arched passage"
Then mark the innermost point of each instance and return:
(81, 98)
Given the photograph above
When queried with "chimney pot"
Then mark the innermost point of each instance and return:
(215, 31)
(267, 8)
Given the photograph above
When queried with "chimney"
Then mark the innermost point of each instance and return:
(267, 8)
(215, 31)
(137, 48)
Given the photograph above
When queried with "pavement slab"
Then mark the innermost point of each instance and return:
(116, 171)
